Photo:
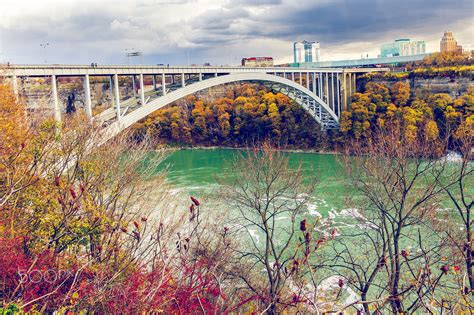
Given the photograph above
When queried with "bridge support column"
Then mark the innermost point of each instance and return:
(333, 93)
(87, 96)
(15, 86)
(320, 85)
(200, 76)
(215, 74)
(338, 93)
(327, 89)
(134, 85)
(343, 90)
(307, 80)
(57, 107)
(163, 83)
(347, 92)
(117, 96)
(142, 90)
(351, 88)
(314, 83)
(111, 90)
(354, 85)
(301, 79)
(183, 83)
(350, 84)
(293, 76)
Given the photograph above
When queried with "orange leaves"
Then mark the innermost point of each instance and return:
(346, 122)
(13, 125)
(247, 113)
(400, 93)
(419, 119)
(431, 130)
(224, 124)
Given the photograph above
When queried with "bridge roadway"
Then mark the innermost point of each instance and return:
(323, 92)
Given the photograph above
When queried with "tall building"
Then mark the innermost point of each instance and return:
(306, 51)
(449, 44)
(403, 47)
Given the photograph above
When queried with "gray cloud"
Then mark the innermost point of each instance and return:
(219, 31)
(255, 3)
(340, 21)
(219, 19)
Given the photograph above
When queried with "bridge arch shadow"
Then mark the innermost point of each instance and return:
(314, 105)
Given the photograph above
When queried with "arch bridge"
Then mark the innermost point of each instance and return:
(323, 92)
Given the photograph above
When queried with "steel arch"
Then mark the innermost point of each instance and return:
(316, 107)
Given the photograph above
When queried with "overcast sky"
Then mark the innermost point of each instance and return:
(220, 31)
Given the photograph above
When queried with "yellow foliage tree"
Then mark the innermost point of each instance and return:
(400, 93)
(431, 130)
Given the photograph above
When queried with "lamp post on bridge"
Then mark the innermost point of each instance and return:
(133, 53)
(127, 57)
(44, 45)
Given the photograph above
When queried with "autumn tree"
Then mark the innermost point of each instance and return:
(399, 192)
(457, 185)
(436, 116)
(400, 93)
(254, 115)
(85, 215)
(270, 199)
(199, 127)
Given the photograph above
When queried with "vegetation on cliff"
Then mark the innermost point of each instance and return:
(248, 114)
(437, 117)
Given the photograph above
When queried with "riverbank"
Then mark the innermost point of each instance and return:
(312, 151)
(451, 155)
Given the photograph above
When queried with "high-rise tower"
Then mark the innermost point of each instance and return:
(449, 44)
(306, 52)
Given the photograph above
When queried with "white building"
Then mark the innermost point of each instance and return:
(306, 52)
(403, 47)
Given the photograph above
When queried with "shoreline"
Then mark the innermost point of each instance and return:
(168, 147)
(313, 151)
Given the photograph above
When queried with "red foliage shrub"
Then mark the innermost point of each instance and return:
(32, 277)
(186, 288)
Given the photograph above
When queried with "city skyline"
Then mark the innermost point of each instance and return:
(220, 32)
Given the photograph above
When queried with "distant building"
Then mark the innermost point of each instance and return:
(449, 44)
(403, 47)
(257, 62)
(306, 51)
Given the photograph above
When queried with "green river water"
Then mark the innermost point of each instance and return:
(195, 172)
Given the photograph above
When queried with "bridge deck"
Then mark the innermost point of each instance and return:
(103, 70)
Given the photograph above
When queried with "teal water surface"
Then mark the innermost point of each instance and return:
(195, 171)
